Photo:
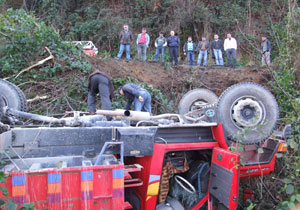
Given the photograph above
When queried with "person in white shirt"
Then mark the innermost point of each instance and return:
(230, 47)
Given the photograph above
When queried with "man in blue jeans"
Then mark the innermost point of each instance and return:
(203, 47)
(189, 50)
(217, 46)
(125, 40)
(138, 95)
(160, 44)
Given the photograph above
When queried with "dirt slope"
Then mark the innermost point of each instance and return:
(173, 82)
(182, 78)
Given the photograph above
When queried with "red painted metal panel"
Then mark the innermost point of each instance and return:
(103, 176)
(230, 161)
(36, 187)
(69, 189)
(71, 193)
(103, 203)
(218, 134)
(78, 188)
(257, 170)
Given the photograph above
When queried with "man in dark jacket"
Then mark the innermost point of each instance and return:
(189, 50)
(265, 51)
(203, 47)
(160, 44)
(125, 40)
(173, 44)
(99, 82)
(217, 46)
(138, 95)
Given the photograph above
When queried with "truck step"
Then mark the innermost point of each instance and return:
(129, 181)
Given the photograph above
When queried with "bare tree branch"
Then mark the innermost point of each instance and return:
(37, 64)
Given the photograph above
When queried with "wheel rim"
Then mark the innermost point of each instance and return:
(247, 112)
(198, 104)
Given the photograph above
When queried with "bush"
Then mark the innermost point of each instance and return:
(24, 40)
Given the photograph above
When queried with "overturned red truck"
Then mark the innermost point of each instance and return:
(191, 160)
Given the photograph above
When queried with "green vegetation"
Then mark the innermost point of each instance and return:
(39, 29)
(101, 20)
(286, 86)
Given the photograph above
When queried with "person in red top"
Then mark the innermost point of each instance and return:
(142, 42)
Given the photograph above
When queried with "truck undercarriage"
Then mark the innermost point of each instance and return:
(190, 160)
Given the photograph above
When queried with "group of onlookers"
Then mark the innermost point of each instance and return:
(190, 48)
(99, 82)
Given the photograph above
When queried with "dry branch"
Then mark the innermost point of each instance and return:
(38, 63)
(37, 98)
(4, 34)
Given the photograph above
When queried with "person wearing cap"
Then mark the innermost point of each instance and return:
(189, 50)
(137, 95)
(160, 44)
(265, 50)
(142, 42)
(230, 47)
(125, 40)
(203, 47)
(99, 82)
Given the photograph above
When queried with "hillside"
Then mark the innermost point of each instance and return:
(180, 79)
(69, 92)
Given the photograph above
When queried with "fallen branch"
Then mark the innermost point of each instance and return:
(4, 34)
(66, 97)
(37, 98)
(38, 63)
(268, 191)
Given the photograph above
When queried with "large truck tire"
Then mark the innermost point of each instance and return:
(248, 112)
(196, 99)
(22, 97)
(12, 96)
(1, 108)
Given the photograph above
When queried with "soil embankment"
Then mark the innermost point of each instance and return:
(182, 78)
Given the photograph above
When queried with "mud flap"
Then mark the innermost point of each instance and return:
(224, 180)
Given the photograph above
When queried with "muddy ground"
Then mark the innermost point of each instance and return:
(173, 82)
(180, 79)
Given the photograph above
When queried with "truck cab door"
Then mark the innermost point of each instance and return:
(224, 180)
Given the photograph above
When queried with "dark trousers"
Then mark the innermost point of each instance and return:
(99, 84)
(173, 54)
(231, 53)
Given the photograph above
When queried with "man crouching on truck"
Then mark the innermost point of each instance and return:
(99, 82)
(138, 95)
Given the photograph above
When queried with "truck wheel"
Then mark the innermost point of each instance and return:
(248, 112)
(12, 96)
(1, 108)
(22, 98)
(196, 99)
